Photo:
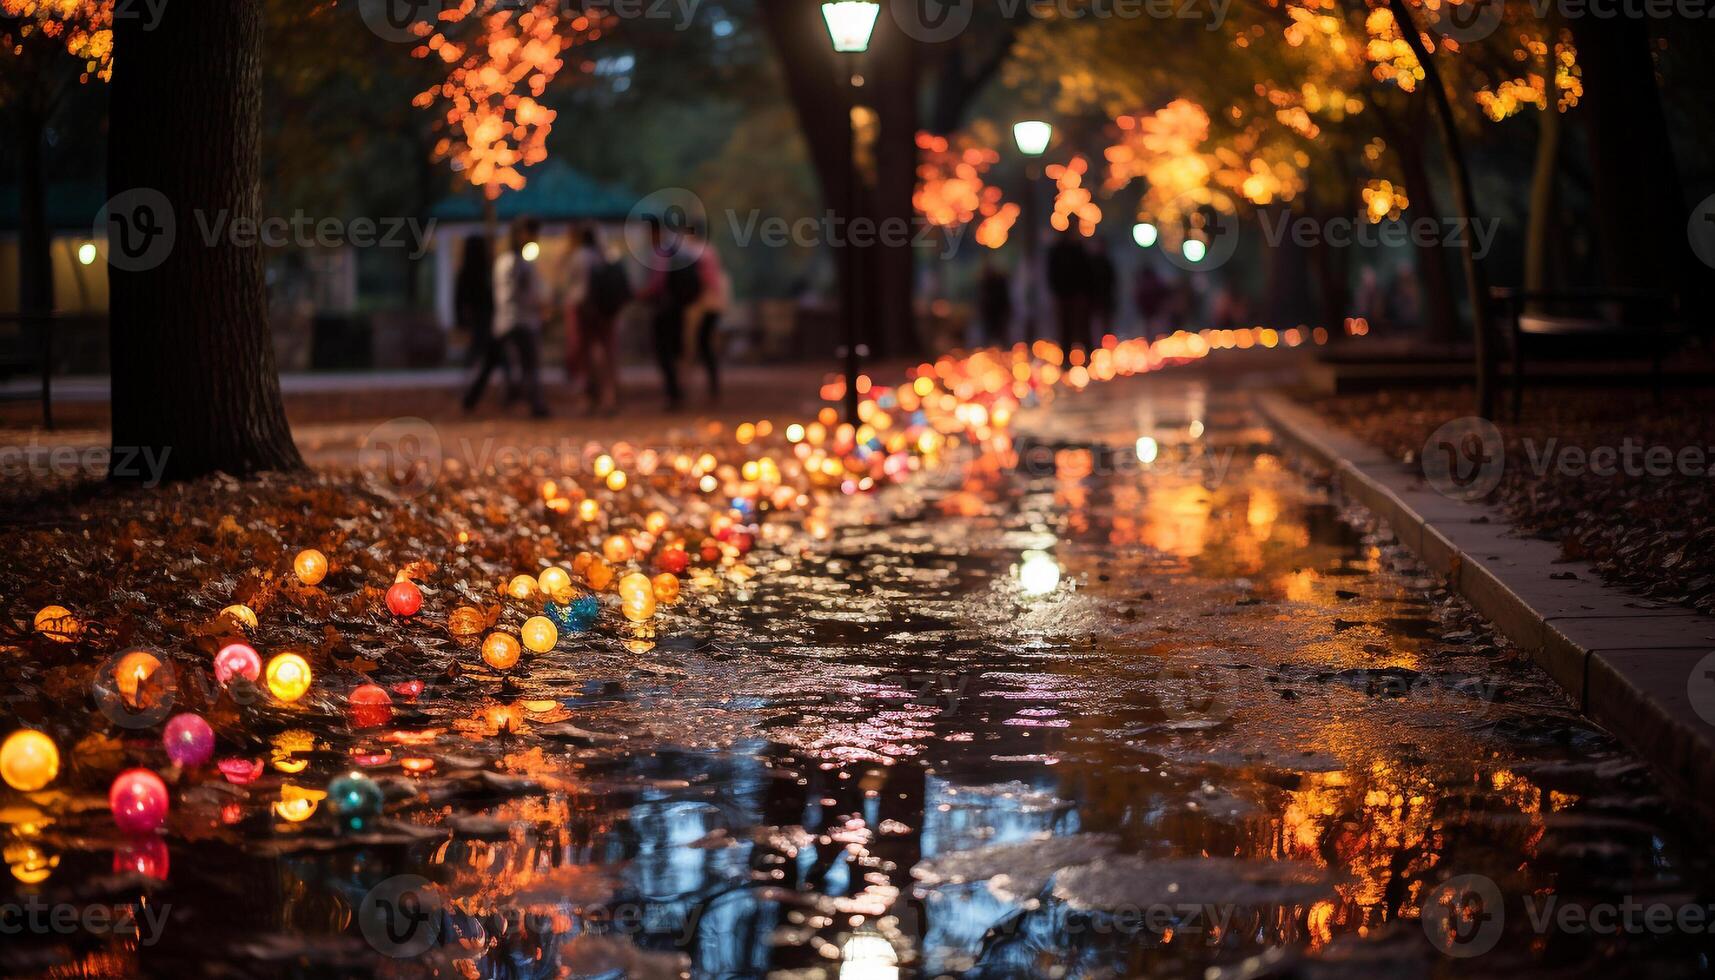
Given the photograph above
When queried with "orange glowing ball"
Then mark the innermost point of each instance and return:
(637, 597)
(501, 650)
(29, 760)
(132, 671)
(241, 614)
(58, 624)
(588, 510)
(539, 634)
(666, 587)
(555, 583)
(311, 566)
(288, 677)
(617, 548)
(616, 481)
(599, 575)
(655, 523)
(581, 563)
(521, 587)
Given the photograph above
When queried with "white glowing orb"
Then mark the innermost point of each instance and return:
(1145, 234)
(1039, 574)
(867, 956)
(531, 251)
(1147, 450)
(1196, 429)
(1194, 250)
(86, 253)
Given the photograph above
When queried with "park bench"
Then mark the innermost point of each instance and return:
(27, 345)
(1584, 323)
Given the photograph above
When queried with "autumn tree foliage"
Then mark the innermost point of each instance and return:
(501, 56)
(45, 47)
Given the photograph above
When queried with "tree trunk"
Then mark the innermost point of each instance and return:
(35, 239)
(1465, 207)
(1432, 267)
(892, 327)
(193, 362)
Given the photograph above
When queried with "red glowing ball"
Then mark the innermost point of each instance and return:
(743, 541)
(369, 707)
(237, 660)
(711, 550)
(404, 599)
(674, 560)
(408, 689)
(139, 801)
(146, 856)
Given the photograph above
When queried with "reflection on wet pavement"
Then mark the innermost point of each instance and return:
(1068, 714)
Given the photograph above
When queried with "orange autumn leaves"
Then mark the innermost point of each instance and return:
(85, 27)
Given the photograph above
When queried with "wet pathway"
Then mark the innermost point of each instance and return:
(1078, 716)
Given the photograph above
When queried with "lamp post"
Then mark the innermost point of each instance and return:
(1032, 137)
(850, 24)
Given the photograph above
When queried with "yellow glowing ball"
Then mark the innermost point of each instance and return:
(616, 480)
(241, 614)
(30, 864)
(617, 548)
(288, 677)
(539, 634)
(588, 510)
(501, 650)
(599, 574)
(637, 597)
(311, 566)
(666, 587)
(655, 523)
(58, 624)
(555, 583)
(29, 760)
(521, 587)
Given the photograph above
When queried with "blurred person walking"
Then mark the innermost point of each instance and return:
(674, 285)
(520, 308)
(473, 306)
(1070, 280)
(703, 315)
(596, 292)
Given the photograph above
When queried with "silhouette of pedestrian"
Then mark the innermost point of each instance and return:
(520, 308)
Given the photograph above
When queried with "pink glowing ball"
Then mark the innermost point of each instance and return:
(237, 660)
(404, 599)
(139, 801)
(188, 739)
(240, 772)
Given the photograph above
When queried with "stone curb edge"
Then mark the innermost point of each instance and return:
(1638, 694)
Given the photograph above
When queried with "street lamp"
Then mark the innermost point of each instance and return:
(1145, 234)
(1032, 137)
(850, 24)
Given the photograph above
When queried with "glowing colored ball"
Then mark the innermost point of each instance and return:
(616, 481)
(146, 856)
(409, 690)
(30, 864)
(637, 597)
(29, 760)
(311, 566)
(617, 548)
(139, 801)
(241, 614)
(711, 550)
(188, 739)
(666, 587)
(288, 677)
(555, 583)
(404, 599)
(355, 800)
(576, 616)
(369, 707)
(599, 574)
(500, 651)
(588, 510)
(237, 660)
(673, 560)
(539, 634)
(58, 624)
(655, 523)
(581, 564)
(1039, 575)
(132, 672)
(240, 772)
(521, 587)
